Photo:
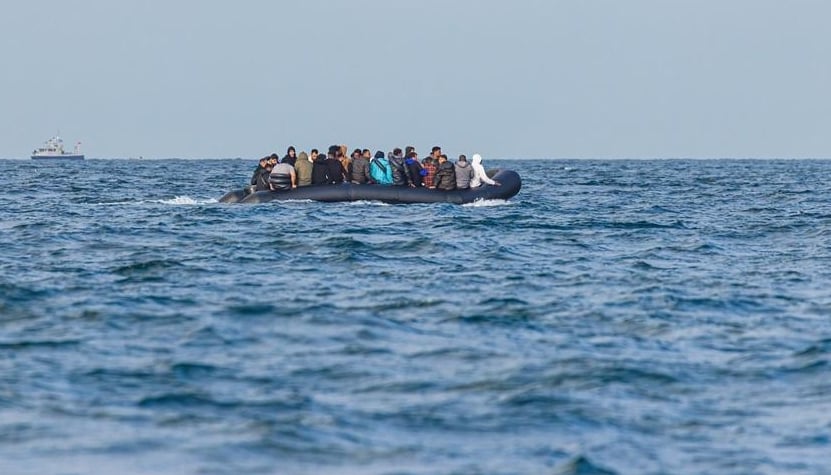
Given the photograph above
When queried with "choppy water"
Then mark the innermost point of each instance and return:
(616, 317)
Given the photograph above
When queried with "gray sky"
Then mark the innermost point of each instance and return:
(523, 78)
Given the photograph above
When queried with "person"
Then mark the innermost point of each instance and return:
(445, 175)
(464, 173)
(435, 153)
(336, 174)
(273, 159)
(345, 161)
(360, 168)
(304, 167)
(320, 170)
(429, 167)
(291, 156)
(479, 175)
(415, 169)
(261, 179)
(258, 170)
(282, 177)
(400, 171)
(380, 169)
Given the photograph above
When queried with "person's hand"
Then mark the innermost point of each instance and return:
(496, 183)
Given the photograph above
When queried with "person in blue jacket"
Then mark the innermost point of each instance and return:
(380, 169)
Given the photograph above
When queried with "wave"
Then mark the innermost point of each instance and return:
(185, 200)
(177, 200)
(487, 203)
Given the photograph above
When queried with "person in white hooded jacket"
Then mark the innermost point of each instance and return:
(479, 175)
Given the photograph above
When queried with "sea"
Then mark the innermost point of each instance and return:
(615, 317)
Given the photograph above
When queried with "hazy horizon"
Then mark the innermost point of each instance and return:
(529, 79)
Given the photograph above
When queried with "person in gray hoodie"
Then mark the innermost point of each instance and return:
(464, 173)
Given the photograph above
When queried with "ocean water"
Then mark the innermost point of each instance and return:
(615, 317)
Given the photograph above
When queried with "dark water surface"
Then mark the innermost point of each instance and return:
(616, 317)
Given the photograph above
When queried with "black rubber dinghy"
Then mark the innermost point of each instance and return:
(509, 185)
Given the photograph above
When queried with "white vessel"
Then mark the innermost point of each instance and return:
(53, 150)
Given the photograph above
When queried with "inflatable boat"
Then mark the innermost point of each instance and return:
(509, 185)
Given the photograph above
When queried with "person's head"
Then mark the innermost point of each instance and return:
(396, 152)
(314, 153)
(413, 155)
(435, 152)
(303, 156)
(343, 151)
(366, 153)
(263, 162)
(477, 159)
(408, 149)
(273, 159)
(334, 150)
(379, 154)
(442, 158)
(356, 153)
(291, 152)
(462, 158)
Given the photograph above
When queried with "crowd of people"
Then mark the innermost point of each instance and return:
(396, 168)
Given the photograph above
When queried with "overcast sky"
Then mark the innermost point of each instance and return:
(521, 78)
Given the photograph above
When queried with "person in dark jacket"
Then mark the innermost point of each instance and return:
(360, 168)
(262, 179)
(291, 156)
(415, 169)
(445, 175)
(400, 172)
(335, 173)
(258, 170)
(320, 170)
(464, 173)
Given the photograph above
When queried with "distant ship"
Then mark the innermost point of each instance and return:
(53, 150)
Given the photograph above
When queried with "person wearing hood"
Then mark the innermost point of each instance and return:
(380, 169)
(345, 161)
(479, 175)
(304, 167)
(445, 178)
(360, 168)
(400, 171)
(464, 173)
(291, 156)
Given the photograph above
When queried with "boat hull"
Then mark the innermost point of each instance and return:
(510, 184)
(58, 157)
